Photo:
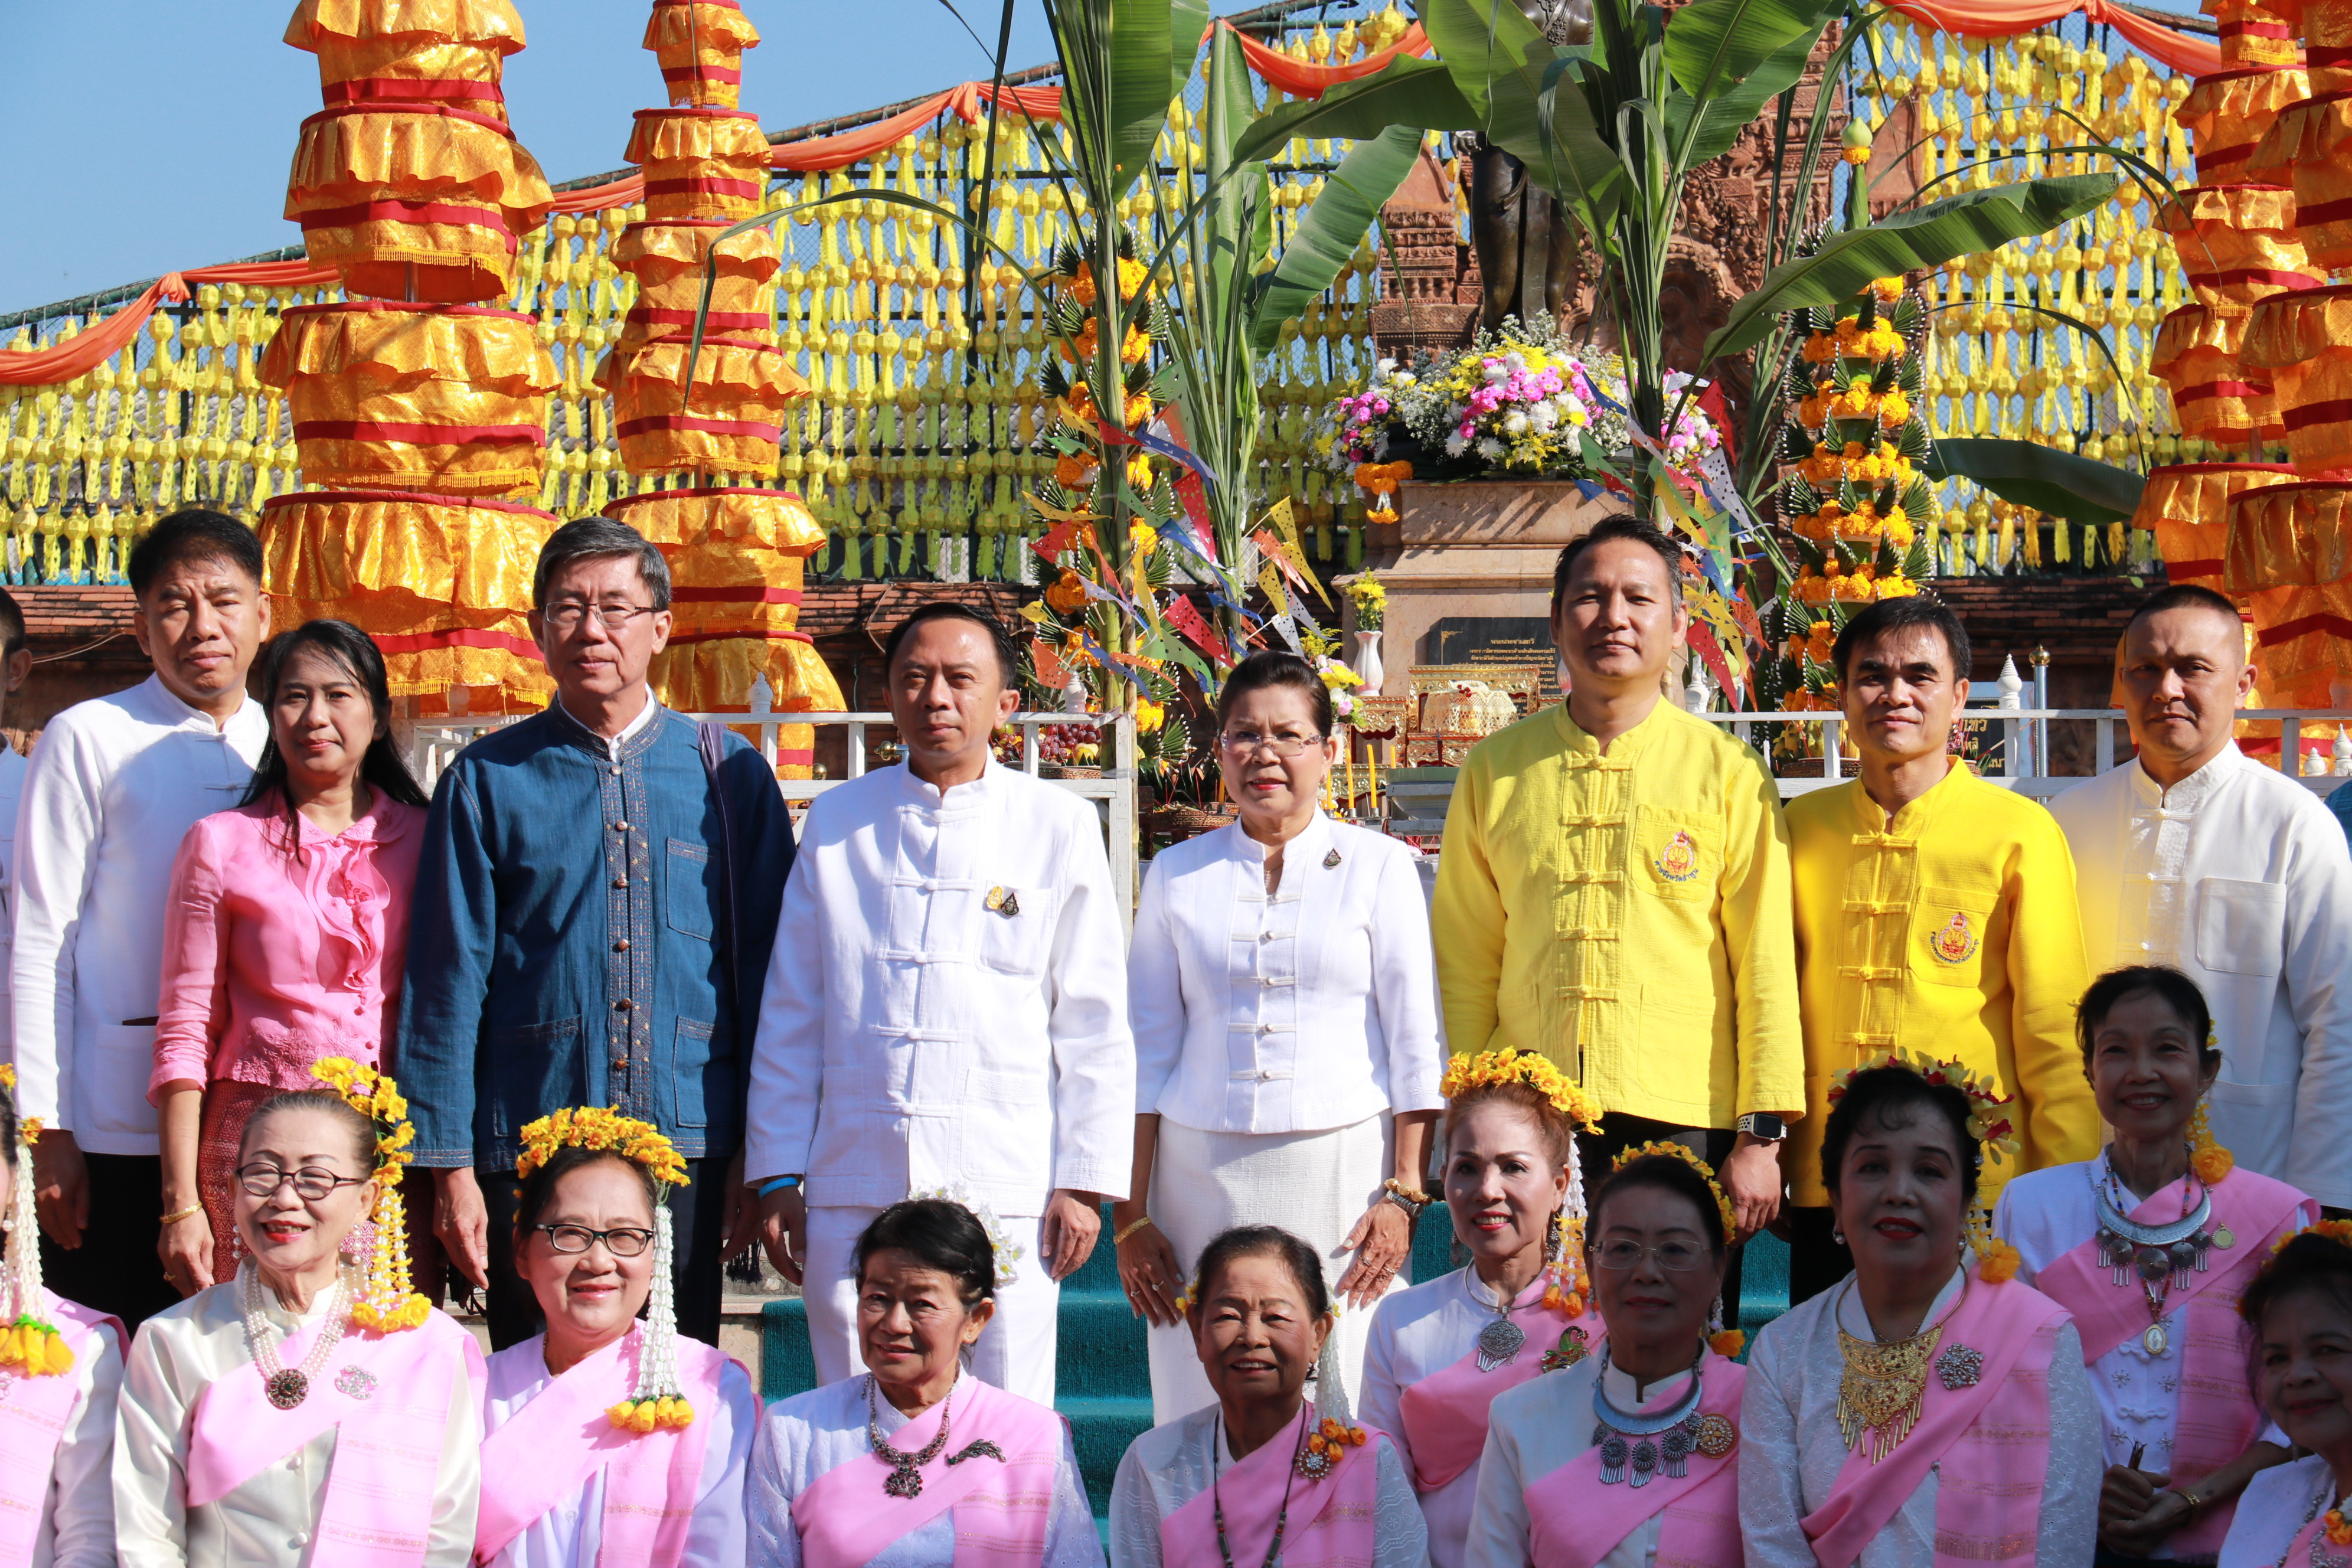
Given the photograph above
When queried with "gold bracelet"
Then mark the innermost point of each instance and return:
(2192, 1498)
(191, 1212)
(1406, 1198)
(1123, 1232)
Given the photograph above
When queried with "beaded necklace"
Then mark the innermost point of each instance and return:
(286, 1386)
(1217, 1501)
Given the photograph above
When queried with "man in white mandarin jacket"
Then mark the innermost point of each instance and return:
(2196, 856)
(946, 1009)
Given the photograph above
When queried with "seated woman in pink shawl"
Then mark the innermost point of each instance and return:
(313, 1410)
(1629, 1454)
(610, 1440)
(2299, 1308)
(1263, 1477)
(916, 1463)
(60, 1368)
(1928, 1411)
(1442, 1352)
(2149, 1247)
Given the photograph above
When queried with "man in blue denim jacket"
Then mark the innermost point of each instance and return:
(571, 942)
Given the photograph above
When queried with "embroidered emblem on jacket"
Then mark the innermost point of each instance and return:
(1678, 861)
(1956, 941)
(1000, 900)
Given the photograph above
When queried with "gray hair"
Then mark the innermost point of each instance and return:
(599, 539)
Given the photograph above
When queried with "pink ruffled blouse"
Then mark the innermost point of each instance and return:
(273, 961)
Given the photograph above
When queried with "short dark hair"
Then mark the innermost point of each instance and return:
(1266, 1241)
(1623, 526)
(12, 624)
(382, 766)
(195, 534)
(539, 1188)
(1901, 615)
(2309, 1261)
(2176, 989)
(1008, 657)
(599, 539)
(8, 1134)
(1664, 1173)
(1883, 1095)
(938, 1233)
(2183, 597)
(362, 1130)
(1270, 669)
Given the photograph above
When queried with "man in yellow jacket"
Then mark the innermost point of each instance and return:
(1614, 891)
(1934, 913)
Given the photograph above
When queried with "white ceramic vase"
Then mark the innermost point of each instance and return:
(1367, 663)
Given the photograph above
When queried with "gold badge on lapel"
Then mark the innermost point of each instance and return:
(1956, 941)
(1001, 900)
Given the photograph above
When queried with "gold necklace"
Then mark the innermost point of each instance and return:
(1884, 1383)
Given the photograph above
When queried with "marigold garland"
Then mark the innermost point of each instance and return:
(593, 1127)
(387, 1303)
(1467, 1071)
(28, 1341)
(1329, 1436)
(1988, 1123)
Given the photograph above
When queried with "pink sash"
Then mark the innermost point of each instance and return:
(548, 1450)
(1329, 1524)
(2218, 1418)
(2298, 1551)
(1990, 1462)
(34, 1412)
(1001, 1507)
(1445, 1414)
(385, 1397)
(1573, 1520)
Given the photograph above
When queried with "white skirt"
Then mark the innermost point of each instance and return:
(1316, 1185)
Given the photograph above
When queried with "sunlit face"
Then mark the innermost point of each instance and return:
(595, 1294)
(598, 629)
(2304, 1357)
(2181, 673)
(287, 1232)
(1898, 1198)
(947, 695)
(1503, 1183)
(2145, 1070)
(1254, 1331)
(1620, 618)
(1262, 725)
(201, 622)
(912, 1320)
(1655, 1274)
(321, 717)
(1900, 692)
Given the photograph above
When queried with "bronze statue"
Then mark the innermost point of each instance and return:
(1514, 223)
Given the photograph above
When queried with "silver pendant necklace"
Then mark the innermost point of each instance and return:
(1500, 1341)
(1628, 1452)
(287, 1386)
(2156, 1253)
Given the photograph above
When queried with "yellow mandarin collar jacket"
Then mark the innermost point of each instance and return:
(1952, 930)
(1626, 915)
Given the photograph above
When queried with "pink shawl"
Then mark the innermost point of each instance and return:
(1445, 1413)
(385, 1397)
(1990, 1459)
(547, 1450)
(1329, 1524)
(34, 1414)
(2218, 1418)
(1003, 1505)
(1573, 1520)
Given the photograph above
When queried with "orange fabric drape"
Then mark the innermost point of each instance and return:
(2184, 52)
(81, 354)
(1301, 79)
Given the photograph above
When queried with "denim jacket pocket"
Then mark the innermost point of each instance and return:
(691, 1067)
(533, 1067)
(687, 890)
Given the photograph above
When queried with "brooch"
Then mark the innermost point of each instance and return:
(1003, 901)
(984, 1449)
(1678, 861)
(1331, 861)
(1573, 1347)
(1956, 941)
(1717, 1435)
(1959, 1367)
(1320, 1456)
(355, 1382)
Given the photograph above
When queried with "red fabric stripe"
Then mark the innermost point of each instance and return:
(747, 189)
(2324, 212)
(420, 435)
(462, 636)
(2180, 570)
(2292, 280)
(2255, 30)
(735, 595)
(412, 212)
(339, 498)
(2315, 55)
(2221, 389)
(395, 89)
(405, 305)
(701, 73)
(723, 319)
(683, 421)
(730, 5)
(2286, 631)
(2334, 412)
(485, 120)
(746, 637)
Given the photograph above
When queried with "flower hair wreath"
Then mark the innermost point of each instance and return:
(1008, 1252)
(28, 1341)
(386, 1303)
(1988, 1123)
(658, 1399)
(1565, 1289)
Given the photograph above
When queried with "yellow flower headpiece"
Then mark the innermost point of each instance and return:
(1676, 1152)
(387, 1303)
(1989, 1122)
(2338, 1231)
(1468, 1071)
(592, 1127)
(28, 1341)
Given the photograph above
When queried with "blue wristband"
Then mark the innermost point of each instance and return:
(779, 1184)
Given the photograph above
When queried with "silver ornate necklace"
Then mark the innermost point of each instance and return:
(1628, 1453)
(1500, 1341)
(2156, 1253)
(287, 1386)
(906, 1478)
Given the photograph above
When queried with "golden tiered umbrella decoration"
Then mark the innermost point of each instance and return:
(2263, 355)
(414, 405)
(736, 549)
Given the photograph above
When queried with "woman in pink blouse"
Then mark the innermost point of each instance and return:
(287, 929)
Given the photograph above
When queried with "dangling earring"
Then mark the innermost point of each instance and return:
(1837, 1235)
(1715, 1317)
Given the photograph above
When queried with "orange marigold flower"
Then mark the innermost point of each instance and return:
(1997, 1264)
(1727, 1344)
(1888, 289)
(1072, 469)
(1894, 410)
(1821, 348)
(1067, 594)
(2212, 1165)
(1137, 345)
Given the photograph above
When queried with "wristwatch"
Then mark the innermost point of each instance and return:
(1765, 1125)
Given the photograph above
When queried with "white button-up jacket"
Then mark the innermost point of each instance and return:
(1310, 1010)
(2239, 876)
(947, 1002)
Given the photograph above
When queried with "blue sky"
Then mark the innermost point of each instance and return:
(137, 136)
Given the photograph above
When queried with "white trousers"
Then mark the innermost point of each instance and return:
(1015, 1352)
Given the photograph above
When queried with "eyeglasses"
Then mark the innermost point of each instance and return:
(1243, 743)
(624, 1241)
(566, 615)
(1678, 1257)
(311, 1182)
